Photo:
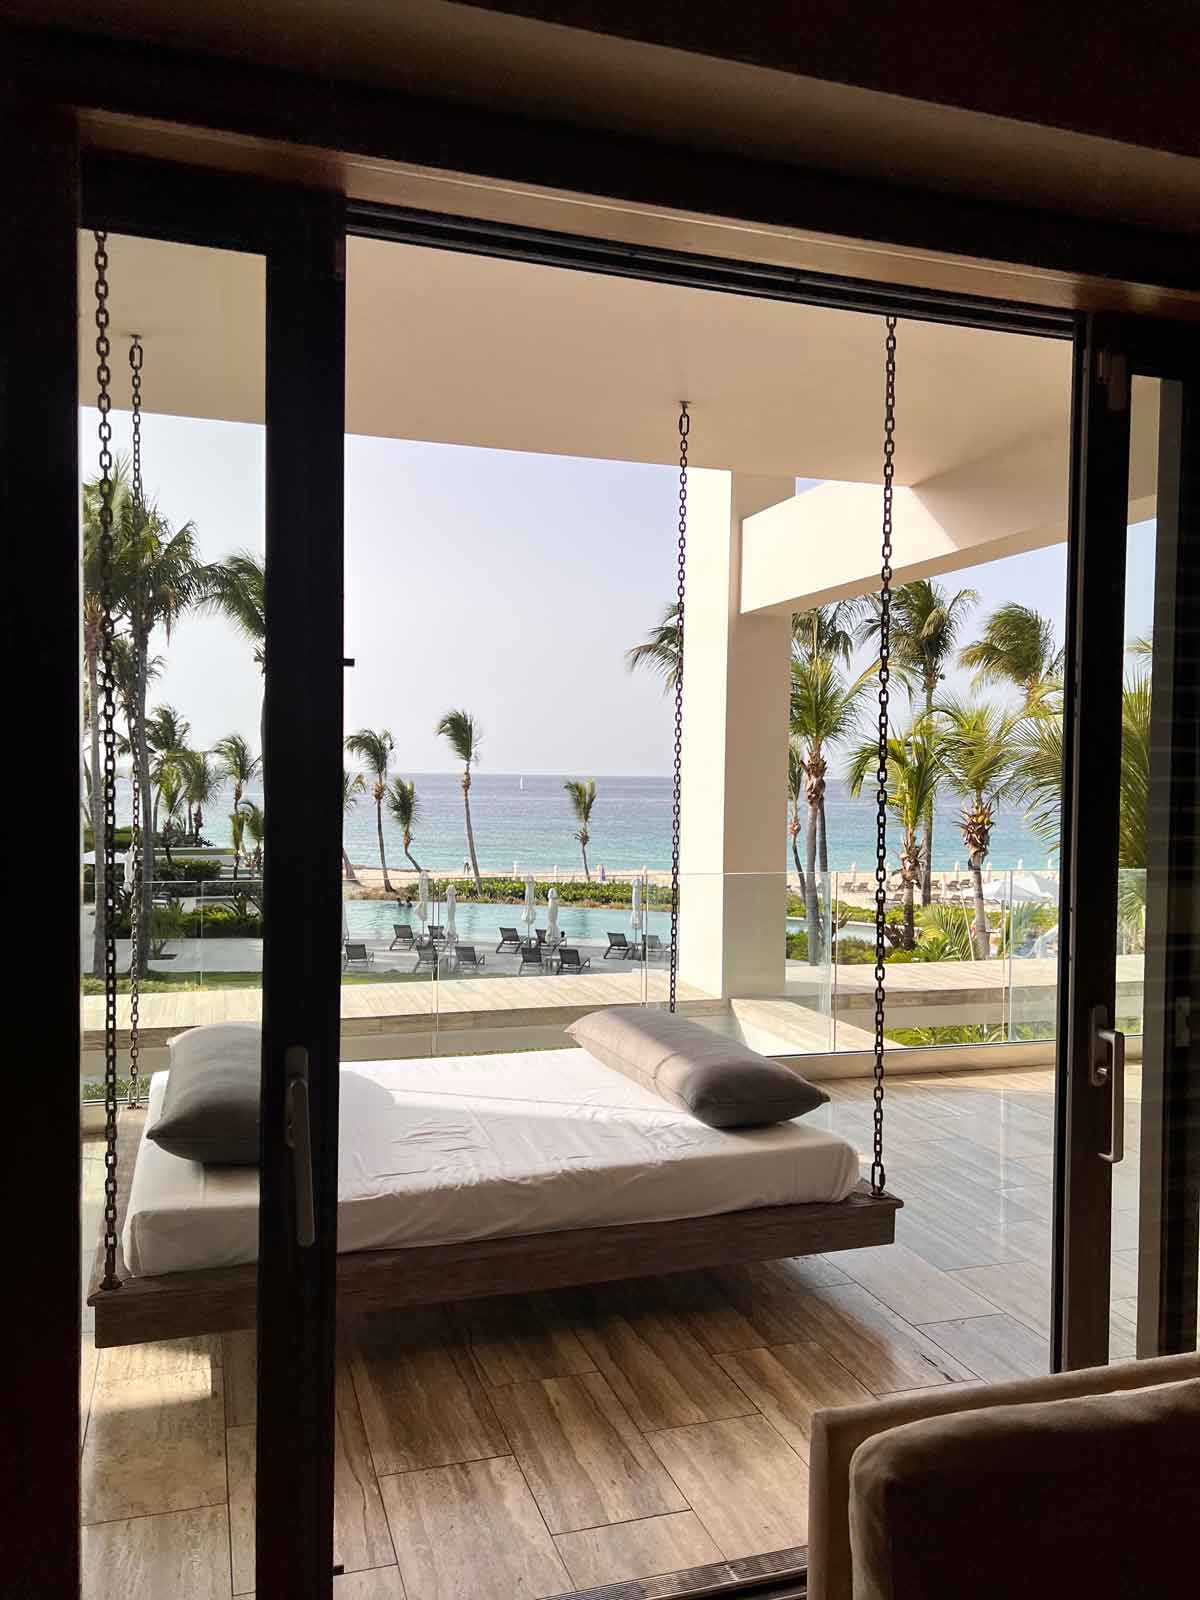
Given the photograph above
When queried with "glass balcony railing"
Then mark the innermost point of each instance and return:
(785, 965)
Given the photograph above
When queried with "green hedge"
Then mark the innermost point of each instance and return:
(183, 872)
(512, 891)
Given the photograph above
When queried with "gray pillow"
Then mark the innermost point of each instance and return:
(211, 1106)
(717, 1080)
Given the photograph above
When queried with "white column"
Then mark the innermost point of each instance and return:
(733, 896)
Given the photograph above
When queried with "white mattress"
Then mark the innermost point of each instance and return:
(476, 1147)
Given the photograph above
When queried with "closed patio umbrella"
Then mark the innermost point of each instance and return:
(529, 910)
(635, 916)
(449, 950)
(552, 935)
(423, 897)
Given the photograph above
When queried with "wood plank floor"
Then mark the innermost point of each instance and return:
(530, 1446)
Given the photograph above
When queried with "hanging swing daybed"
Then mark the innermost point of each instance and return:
(192, 1231)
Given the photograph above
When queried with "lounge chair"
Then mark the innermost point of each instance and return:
(619, 946)
(531, 956)
(510, 939)
(404, 937)
(357, 955)
(437, 933)
(653, 948)
(427, 955)
(569, 960)
(467, 959)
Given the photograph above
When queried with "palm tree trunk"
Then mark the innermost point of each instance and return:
(583, 852)
(796, 860)
(412, 860)
(142, 757)
(822, 886)
(910, 921)
(927, 870)
(982, 941)
(387, 882)
(101, 919)
(347, 869)
(812, 905)
(466, 789)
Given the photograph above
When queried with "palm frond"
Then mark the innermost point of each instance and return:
(373, 747)
(463, 734)
(659, 651)
(952, 926)
(403, 804)
(1018, 646)
(353, 786)
(237, 588)
(582, 795)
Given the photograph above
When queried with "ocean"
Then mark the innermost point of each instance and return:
(526, 821)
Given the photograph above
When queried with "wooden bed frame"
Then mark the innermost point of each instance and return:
(224, 1299)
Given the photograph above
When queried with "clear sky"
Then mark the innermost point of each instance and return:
(505, 583)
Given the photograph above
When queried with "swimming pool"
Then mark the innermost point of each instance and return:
(480, 924)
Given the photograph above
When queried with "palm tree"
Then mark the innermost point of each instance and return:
(256, 828)
(824, 711)
(92, 647)
(170, 793)
(464, 736)
(582, 794)
(659, 651)
(237, 832)
(830, 630)
(239, 765)
(157, 576)
(977, 750)
(167, 733)
(926, 621)
(374, 748)
(237, 588)
(402, 803)
(914, 769)
(202, 783)
(1018, 647)
(795, 826)
(353, 785)
(1039, 768)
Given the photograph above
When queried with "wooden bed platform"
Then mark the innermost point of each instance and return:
(222, 1300)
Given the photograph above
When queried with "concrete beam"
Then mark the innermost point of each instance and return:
(823, 545)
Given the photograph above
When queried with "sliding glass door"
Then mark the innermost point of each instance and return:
(1129, 1173)
(211, 395)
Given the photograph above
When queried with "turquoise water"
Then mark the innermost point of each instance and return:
(528, 822)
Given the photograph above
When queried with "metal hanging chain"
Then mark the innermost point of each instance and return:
(106, 711)
(878, 1175)
(685, 426)
(136, 903)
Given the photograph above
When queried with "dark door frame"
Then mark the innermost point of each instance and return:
(39, 502)
(300, 236)
(300, 233)
(1115, 350)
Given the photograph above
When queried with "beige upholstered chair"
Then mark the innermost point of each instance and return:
(1019, 1489)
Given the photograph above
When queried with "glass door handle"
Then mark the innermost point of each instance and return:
(300, 1143)
(1108, 1069)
